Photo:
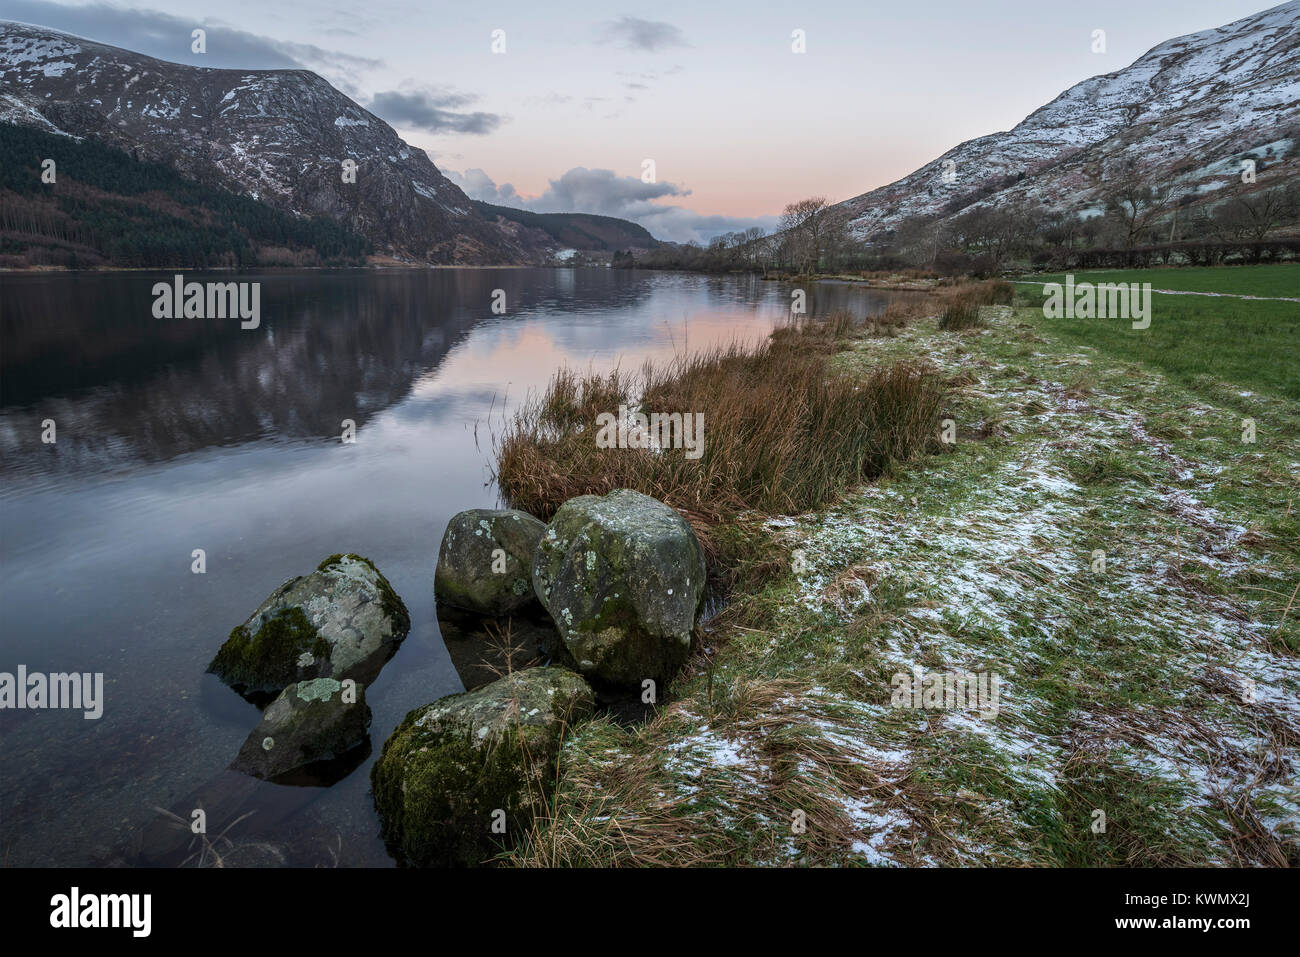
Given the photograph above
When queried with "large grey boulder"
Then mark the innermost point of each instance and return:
(462, 779)
(311, 721)
(342, 621)
(485, 562)
(623, 577)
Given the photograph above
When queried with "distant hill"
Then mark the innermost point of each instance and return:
(106, 208)
(581, 231)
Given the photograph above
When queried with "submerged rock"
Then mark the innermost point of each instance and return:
(342, 621)
(462, 778)
(486, 559)
(310, 722)
(623, 577)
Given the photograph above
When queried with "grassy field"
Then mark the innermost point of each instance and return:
(1201, 341)
(1279, 279)
(1099, 537)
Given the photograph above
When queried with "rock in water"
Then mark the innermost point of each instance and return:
(342, 621)
(485, 564)
(312, 721)
(623, 576)
(461, 779)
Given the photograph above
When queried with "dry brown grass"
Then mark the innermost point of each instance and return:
(962, 303)
(899, 274)
(621, 808)
(783, 431)
(827, 336)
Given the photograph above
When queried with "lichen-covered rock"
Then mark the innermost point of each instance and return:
(312, 721)
(342, 621)
(461, 779)
(472, 573)
(623, 577)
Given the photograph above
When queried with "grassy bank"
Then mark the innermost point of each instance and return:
(785, 431)
(1099, 537)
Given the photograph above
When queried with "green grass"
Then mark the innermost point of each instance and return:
(1282, 279)
(1203, 342)
(1121, 683)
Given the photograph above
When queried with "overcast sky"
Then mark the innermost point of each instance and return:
(737, 124)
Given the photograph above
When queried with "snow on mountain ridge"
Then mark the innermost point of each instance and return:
(1225, 89)
(278, 135)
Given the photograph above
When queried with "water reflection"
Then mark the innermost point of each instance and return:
(177, 435)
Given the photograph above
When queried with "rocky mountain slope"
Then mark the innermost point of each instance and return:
(1186, 113)
(279, 136)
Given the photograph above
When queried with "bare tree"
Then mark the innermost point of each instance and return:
(1253, 216)
(1134, 204)
(919, 239)
(838, 244)
(804, 224)
(756, 250)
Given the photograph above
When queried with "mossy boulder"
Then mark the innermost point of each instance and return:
(461, 779)
(310, 722)
(342, 621)
(623, 577)
(485, 563)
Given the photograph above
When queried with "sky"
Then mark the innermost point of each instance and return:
(578, 98)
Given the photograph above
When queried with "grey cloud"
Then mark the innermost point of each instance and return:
(637, 80)
(479, 185)
(633, 33)
(605, 193)
(550, 99)
(602, 191)
(432, 111)
(167, 37)
(681, 225)
(580, 190)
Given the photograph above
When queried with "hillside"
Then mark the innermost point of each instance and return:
(1185, 114)
(106, 208)
(582, 231)
(277, 136)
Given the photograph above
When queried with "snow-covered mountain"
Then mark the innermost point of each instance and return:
(1186, 112)
(280, 136)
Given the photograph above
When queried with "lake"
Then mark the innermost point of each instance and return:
(180, 434)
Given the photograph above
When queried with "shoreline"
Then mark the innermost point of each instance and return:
(981, 560)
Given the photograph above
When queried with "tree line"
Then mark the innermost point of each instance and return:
(1137, 222)
(106, 207)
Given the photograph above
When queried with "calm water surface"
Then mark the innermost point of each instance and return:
(175, 435)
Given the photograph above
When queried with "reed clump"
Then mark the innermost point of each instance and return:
(781, 431)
